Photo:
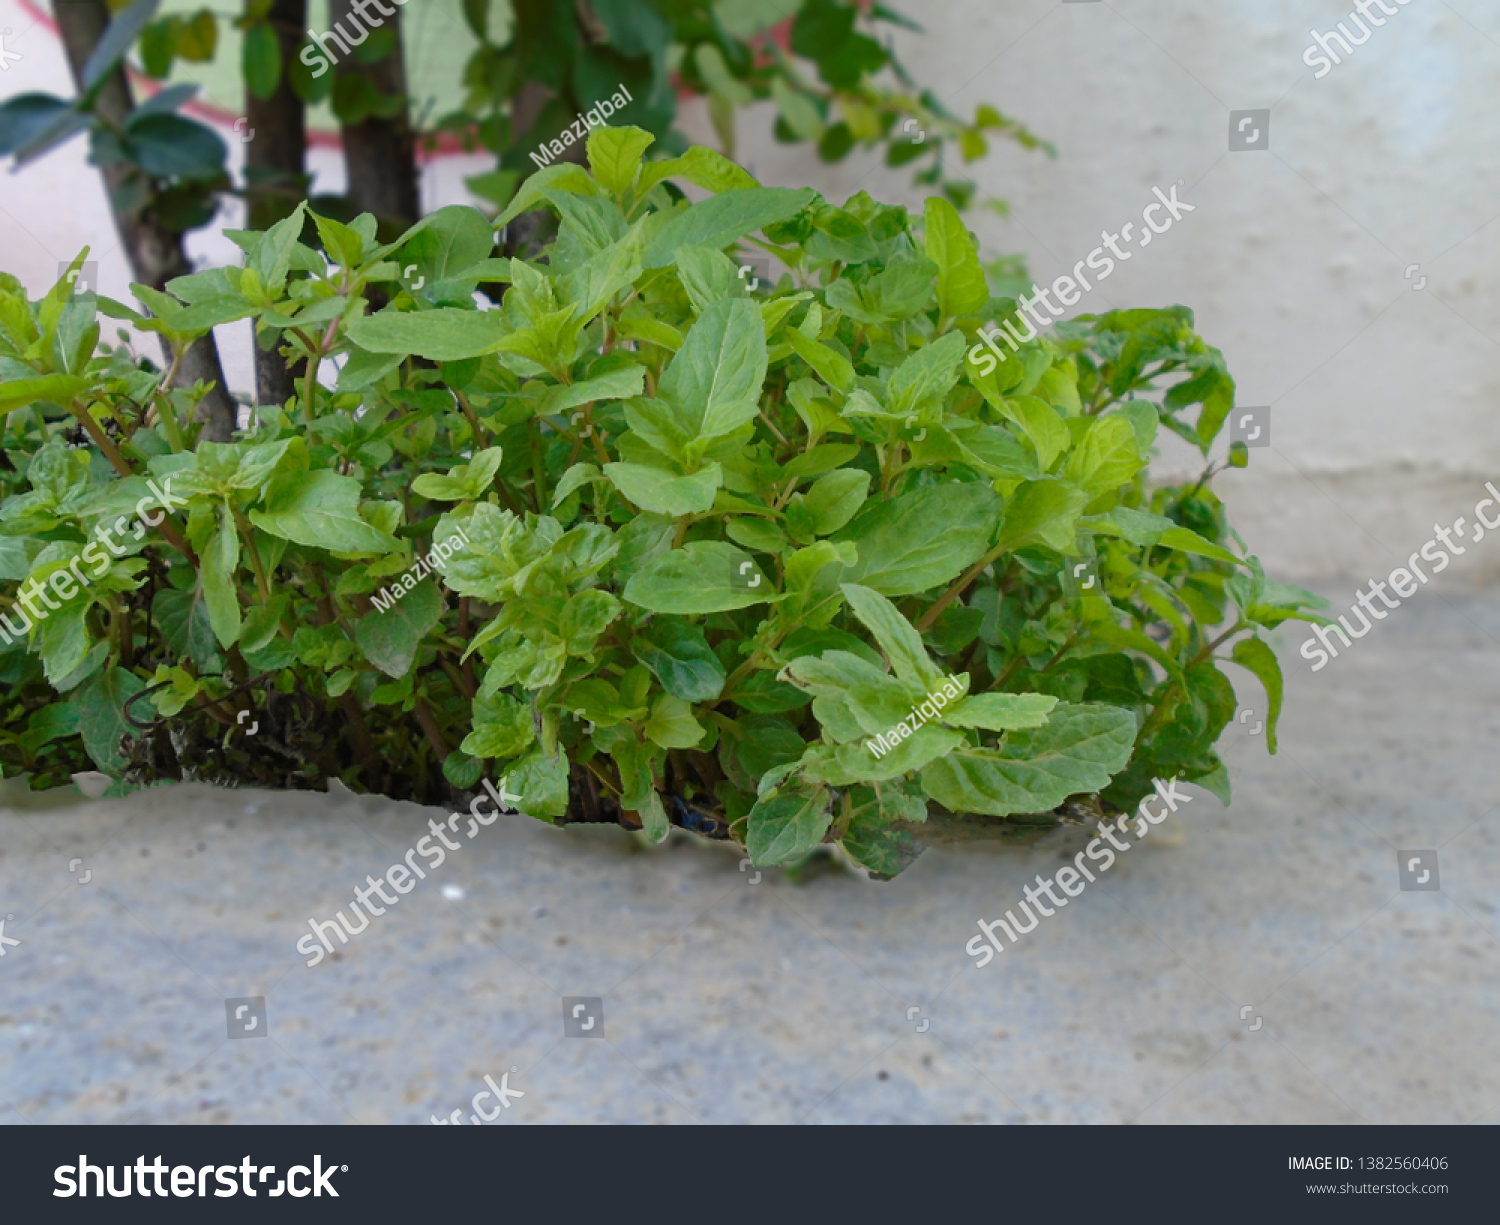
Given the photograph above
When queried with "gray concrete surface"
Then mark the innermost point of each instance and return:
(727, 1000)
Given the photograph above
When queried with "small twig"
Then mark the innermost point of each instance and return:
(164, 401)
(121, 465)
(464, 684)
(771, 426)
(481, 439)
(1159, 711)
(262, 580)
(431, 730)
(538, 468)
(960, 584)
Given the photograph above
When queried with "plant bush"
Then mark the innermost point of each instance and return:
(720, 535)
(529, 70)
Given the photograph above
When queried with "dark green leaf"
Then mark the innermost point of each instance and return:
(786, 826)
(701, 577)
(874, 836)
(1076, 753)
(718, 221)
(921, 539)
(320, 509)
(1044, 510)
(171, 147)
(446, 334)
(101, 716)
(390, 639)
(541, 782)
(767, 741)
(261, 60)
(681, 659)
(182, 618)
(117, 40)
(35, 119)
(1260, 659)
(455, 239)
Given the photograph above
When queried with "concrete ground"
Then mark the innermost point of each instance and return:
(727, 999)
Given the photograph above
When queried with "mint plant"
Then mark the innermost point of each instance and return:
(828, 68)
(718, 539)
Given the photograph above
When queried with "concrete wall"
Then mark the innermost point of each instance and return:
(1381, 393)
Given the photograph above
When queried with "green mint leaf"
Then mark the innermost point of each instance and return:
(784, 827)
(1078, 751)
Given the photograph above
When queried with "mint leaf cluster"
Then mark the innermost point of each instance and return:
(719, 538)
